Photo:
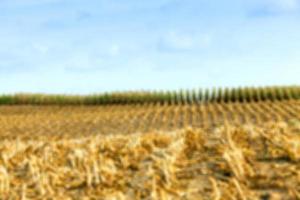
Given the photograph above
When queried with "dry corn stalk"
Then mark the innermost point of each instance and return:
(183, 164)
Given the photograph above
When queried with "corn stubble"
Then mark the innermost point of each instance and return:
(220, 148)
(231, 162)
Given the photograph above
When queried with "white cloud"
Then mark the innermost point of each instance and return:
(277, 5)
(43, 49)
(81, 62)
(271, 7)
(28, 2)
(283, 5)
(174, 41)
(114, 50)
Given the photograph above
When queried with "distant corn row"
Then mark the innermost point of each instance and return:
(218, 95)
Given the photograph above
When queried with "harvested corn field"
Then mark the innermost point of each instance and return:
(76, 121)
(216, 149)
(244, 162)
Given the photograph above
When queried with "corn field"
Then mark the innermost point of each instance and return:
(215, 144)
(241, 94)
(80, 121)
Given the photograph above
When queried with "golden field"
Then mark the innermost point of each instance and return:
(151, 151)
(33, 121)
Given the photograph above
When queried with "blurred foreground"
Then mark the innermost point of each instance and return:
(229, 162)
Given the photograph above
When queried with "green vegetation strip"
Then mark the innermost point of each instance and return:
(219, 95)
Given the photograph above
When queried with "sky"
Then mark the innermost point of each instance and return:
(91, 46)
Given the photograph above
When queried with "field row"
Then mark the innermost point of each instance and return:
(219, 95)
(76, 121)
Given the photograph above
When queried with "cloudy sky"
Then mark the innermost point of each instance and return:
(88, 46)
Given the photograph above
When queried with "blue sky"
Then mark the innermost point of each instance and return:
(76, 46)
